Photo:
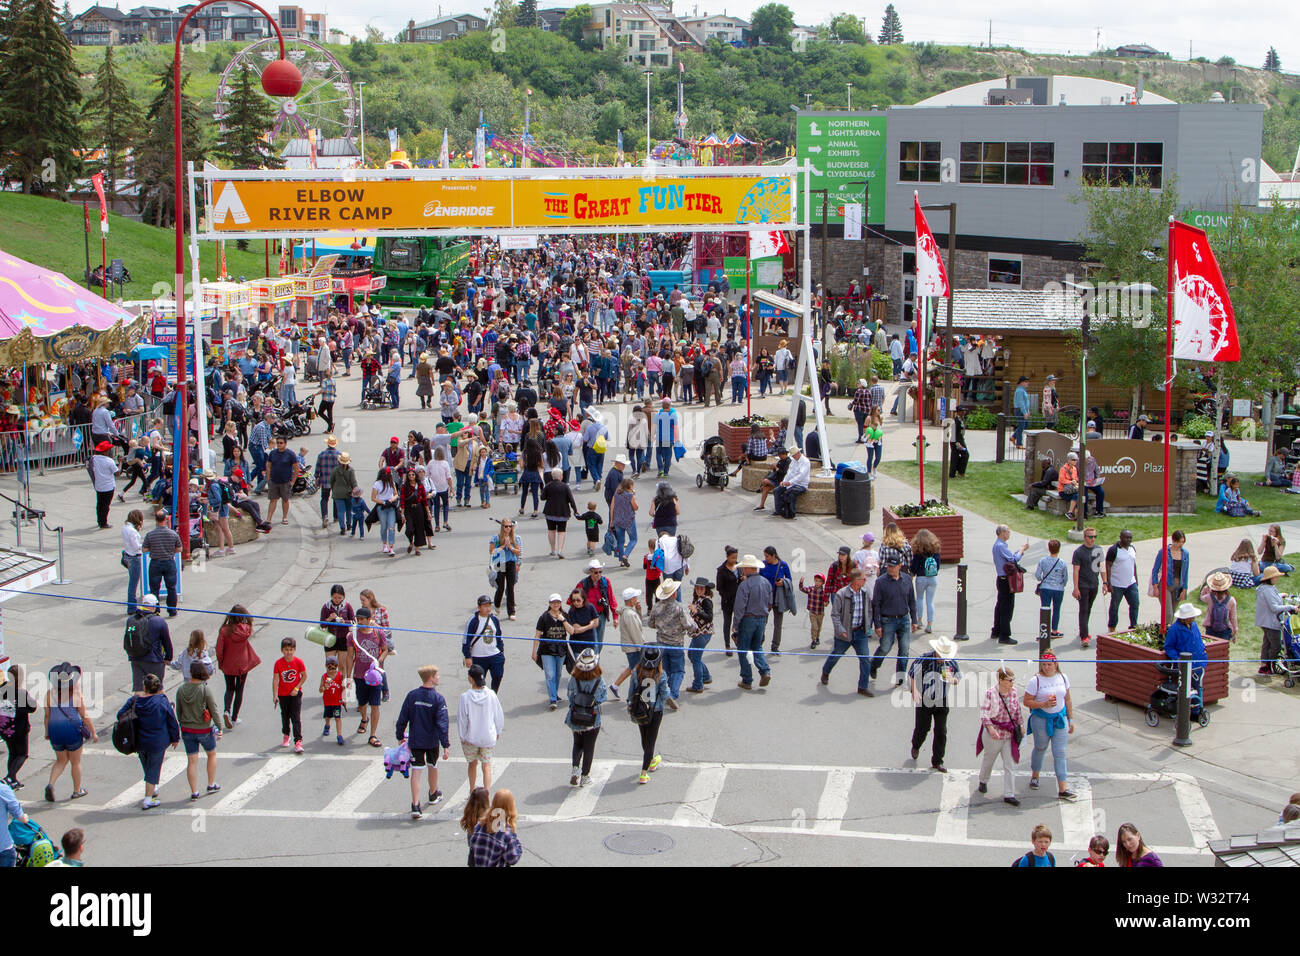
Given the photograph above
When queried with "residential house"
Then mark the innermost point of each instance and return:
(1139, 51)
(443, 28)
(649, 32)
(723, 28)
(550, 18)
(102, 25)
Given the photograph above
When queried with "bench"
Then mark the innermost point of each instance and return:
(819, 499)
(1050, 502)
(242, 529)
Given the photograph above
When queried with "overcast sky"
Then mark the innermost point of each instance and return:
(1212, 29)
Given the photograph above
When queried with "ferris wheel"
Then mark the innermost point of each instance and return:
(327, 101)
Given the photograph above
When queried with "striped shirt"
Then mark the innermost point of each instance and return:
(161, 544)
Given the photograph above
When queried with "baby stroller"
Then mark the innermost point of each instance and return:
(305, 483)
(1164, 699)
(198, 510)
(376, 394)
(33, 844)
(1289, 663)
(714, 456)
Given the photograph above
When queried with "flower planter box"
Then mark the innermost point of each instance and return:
(734, 438)
(947, 528)
(1134, 684)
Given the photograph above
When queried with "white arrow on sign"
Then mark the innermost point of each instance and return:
(814, 149)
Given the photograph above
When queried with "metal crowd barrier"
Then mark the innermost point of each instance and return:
(58, 447)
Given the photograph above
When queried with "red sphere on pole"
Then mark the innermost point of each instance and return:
(281, 78)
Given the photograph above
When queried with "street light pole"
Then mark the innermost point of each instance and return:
(951, 208)
(361, 123)
(825, 194)
(850, 97)
(648, 73)
(280, 78)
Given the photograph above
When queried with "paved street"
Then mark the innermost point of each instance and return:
(794, 772)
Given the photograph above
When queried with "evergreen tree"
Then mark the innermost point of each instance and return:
(112, 121)
(38, 99)
(527, 14)
(891, 29)
(154, 150)
(244, 140)
(1272, 62)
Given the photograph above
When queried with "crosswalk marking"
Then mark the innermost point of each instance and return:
(1076, 816)
(238, 799)
(1196, 811)
(347, 800)
(701, 799)
(581, 803)
(834, 801)
(954, 802)
(173, 766)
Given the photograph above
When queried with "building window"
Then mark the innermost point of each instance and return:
(1004, 272)
(1008, 164)
(918, 162)
(1123, 164)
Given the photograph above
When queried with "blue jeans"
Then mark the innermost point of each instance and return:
(674, 669)
(1280, 565)
(485, 491)
(1129, 594)
(463, 486)
(1059, 740)
(861, 645)
(1054, 598)
(1018, 434)
(626, 538)
(388, 526)
(8, 858)
(134, 564)
(894, 629)
(552, 667)
(652, 380)
(595, 462)
(393, 394)
(749, 637)
(258, 475)
(663, 458)
(925, 588)
(737, 389)
(159, 572)
(439, 507)
(343, 513)
(639, 457)
(699, 670)
(598, 635)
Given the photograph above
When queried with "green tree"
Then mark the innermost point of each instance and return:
(363, 51)
(1272, 62)
(504, 13)
(891, 28)
(112, 121)
(846, 28)
(1124, 232)
(244, 137)
(771, 24)
(154, 150)
(39, 100)
(527, 15)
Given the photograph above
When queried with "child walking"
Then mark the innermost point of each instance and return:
(591, 521)
(286, 692)
(652, 574)
(483, 475)
(817, 600)
(196, 652)
(331, 690)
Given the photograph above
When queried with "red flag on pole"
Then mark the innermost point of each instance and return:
(98, 180)
(763, 244)
(931, 276)
(1205, 329)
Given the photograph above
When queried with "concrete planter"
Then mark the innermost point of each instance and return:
(1134, 684)
(947, 528)
(734, 438)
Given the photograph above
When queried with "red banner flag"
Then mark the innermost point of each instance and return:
(98, 180)
(931, 277)
(1205, 328)
(763, 244)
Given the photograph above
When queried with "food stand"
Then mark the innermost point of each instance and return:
(312, 291)
(272, 299)
(231, 300)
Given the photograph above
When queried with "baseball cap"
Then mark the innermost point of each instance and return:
(150, 599)
(555, 597)
(630, 593)
(483, 599)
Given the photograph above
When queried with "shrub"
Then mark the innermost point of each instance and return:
(1246, 430)
(981, 419)
(1066, 425)
(853, 364)
(1194, 426)
(930, 509)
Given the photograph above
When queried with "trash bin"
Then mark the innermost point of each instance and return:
(853, 497)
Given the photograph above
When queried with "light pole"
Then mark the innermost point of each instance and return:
(648, 73)
(280, 78)
(850, 97)
(807, 101)
(361, 123)
(951, 209)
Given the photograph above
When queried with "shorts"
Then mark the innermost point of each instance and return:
(333, 710)
(552, 525)
(61, 743)
(420, 757)
(279, 490)
(193, 742)
(151, 762)
(472, 753)
(368, 696)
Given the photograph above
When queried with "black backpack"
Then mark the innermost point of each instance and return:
(684, 546)
(135, 641)
(126, 730)
(582, 711)
(638, 708)
(1029, 862)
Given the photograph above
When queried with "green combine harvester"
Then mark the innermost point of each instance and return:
(421, 271)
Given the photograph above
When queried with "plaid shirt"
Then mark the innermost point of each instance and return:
(816, 597)
(328, 390)
(756, 447)
(379, 621)
(862, 400)
(494, 849)
(326, 462)
(877, 396)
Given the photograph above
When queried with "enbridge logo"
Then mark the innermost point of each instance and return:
(435, 209)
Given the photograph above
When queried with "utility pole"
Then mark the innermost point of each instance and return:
(825, 194)
(990, 34)
(951, 209)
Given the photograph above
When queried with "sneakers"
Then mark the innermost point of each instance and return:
(416, 813)
(1007, 640)
(586, 780)
(655, 762)
(326, 731)
(149, 803)
(554, 704)
(1067, 795)
(573, 777)
(916, 752)
(1033, 783)
(984, 788)
(213, 787)
(825, 679)
(285, 741)
(194, 795)
(1014, 801)
(435, 798)
(672, 702)
(297, 746)
(226, 719)
(644, 778)
(339, 738)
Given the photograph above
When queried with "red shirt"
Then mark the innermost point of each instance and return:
(333, 692)
(288, 676)
(651, 572)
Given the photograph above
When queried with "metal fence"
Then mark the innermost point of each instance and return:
(59, 446)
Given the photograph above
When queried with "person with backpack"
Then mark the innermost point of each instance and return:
(599, 592)
(925, 564)
(645, 704)
(147, 642)
(196, 712)
(587, 691)
(150, 727)
(1220, 607)
(424, 711)
(1052, 574)
(672, 623)
(482, 645)
(1039, 855)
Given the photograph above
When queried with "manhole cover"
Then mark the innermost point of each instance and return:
(639, 842)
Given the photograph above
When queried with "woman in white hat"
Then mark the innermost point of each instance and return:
(587, 691)
(672, 623)
(1184, 636)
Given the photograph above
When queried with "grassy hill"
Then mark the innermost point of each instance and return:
(51, 234)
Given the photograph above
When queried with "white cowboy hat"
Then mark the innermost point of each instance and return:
(667, 589)
(595, 565)
(944, 646)
(750, 561)
(1187, 612)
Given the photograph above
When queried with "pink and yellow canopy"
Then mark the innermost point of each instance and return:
(46, 317)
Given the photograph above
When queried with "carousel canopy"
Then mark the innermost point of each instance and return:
(46, 317)
(710, 140)
(736, 139)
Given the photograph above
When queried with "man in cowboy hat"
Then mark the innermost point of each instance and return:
(749, 619)
(929, 678)
(326, 461)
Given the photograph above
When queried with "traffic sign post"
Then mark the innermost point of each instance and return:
(844, 150)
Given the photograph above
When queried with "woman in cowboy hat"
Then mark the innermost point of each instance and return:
(1269, 608)
(1220, 607)
(701, 611)
(587, 691)
(1184, 636)
(672, 623)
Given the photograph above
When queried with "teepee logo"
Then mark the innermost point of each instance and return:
(229, 204)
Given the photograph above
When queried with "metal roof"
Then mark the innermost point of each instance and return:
(1277, 846)
(333, 146)
(1003, 311)
(23, 571)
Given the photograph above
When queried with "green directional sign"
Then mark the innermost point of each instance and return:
(842, 147)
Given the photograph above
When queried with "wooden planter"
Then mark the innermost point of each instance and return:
(734, 438)
(1134, 683)
(947, 528)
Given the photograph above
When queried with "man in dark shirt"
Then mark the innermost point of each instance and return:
(958, 454)
(281, 470)
(1087, 567)
(445, 366)
(893, 615)
(157, 640)
(525, 396)
(772, 480)
(1041, 487)
(929, 677)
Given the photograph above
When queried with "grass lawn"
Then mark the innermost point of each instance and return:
(1249, 636)
(50, 234)
(988, 487)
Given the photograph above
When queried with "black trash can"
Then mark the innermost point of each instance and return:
(853, 497)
